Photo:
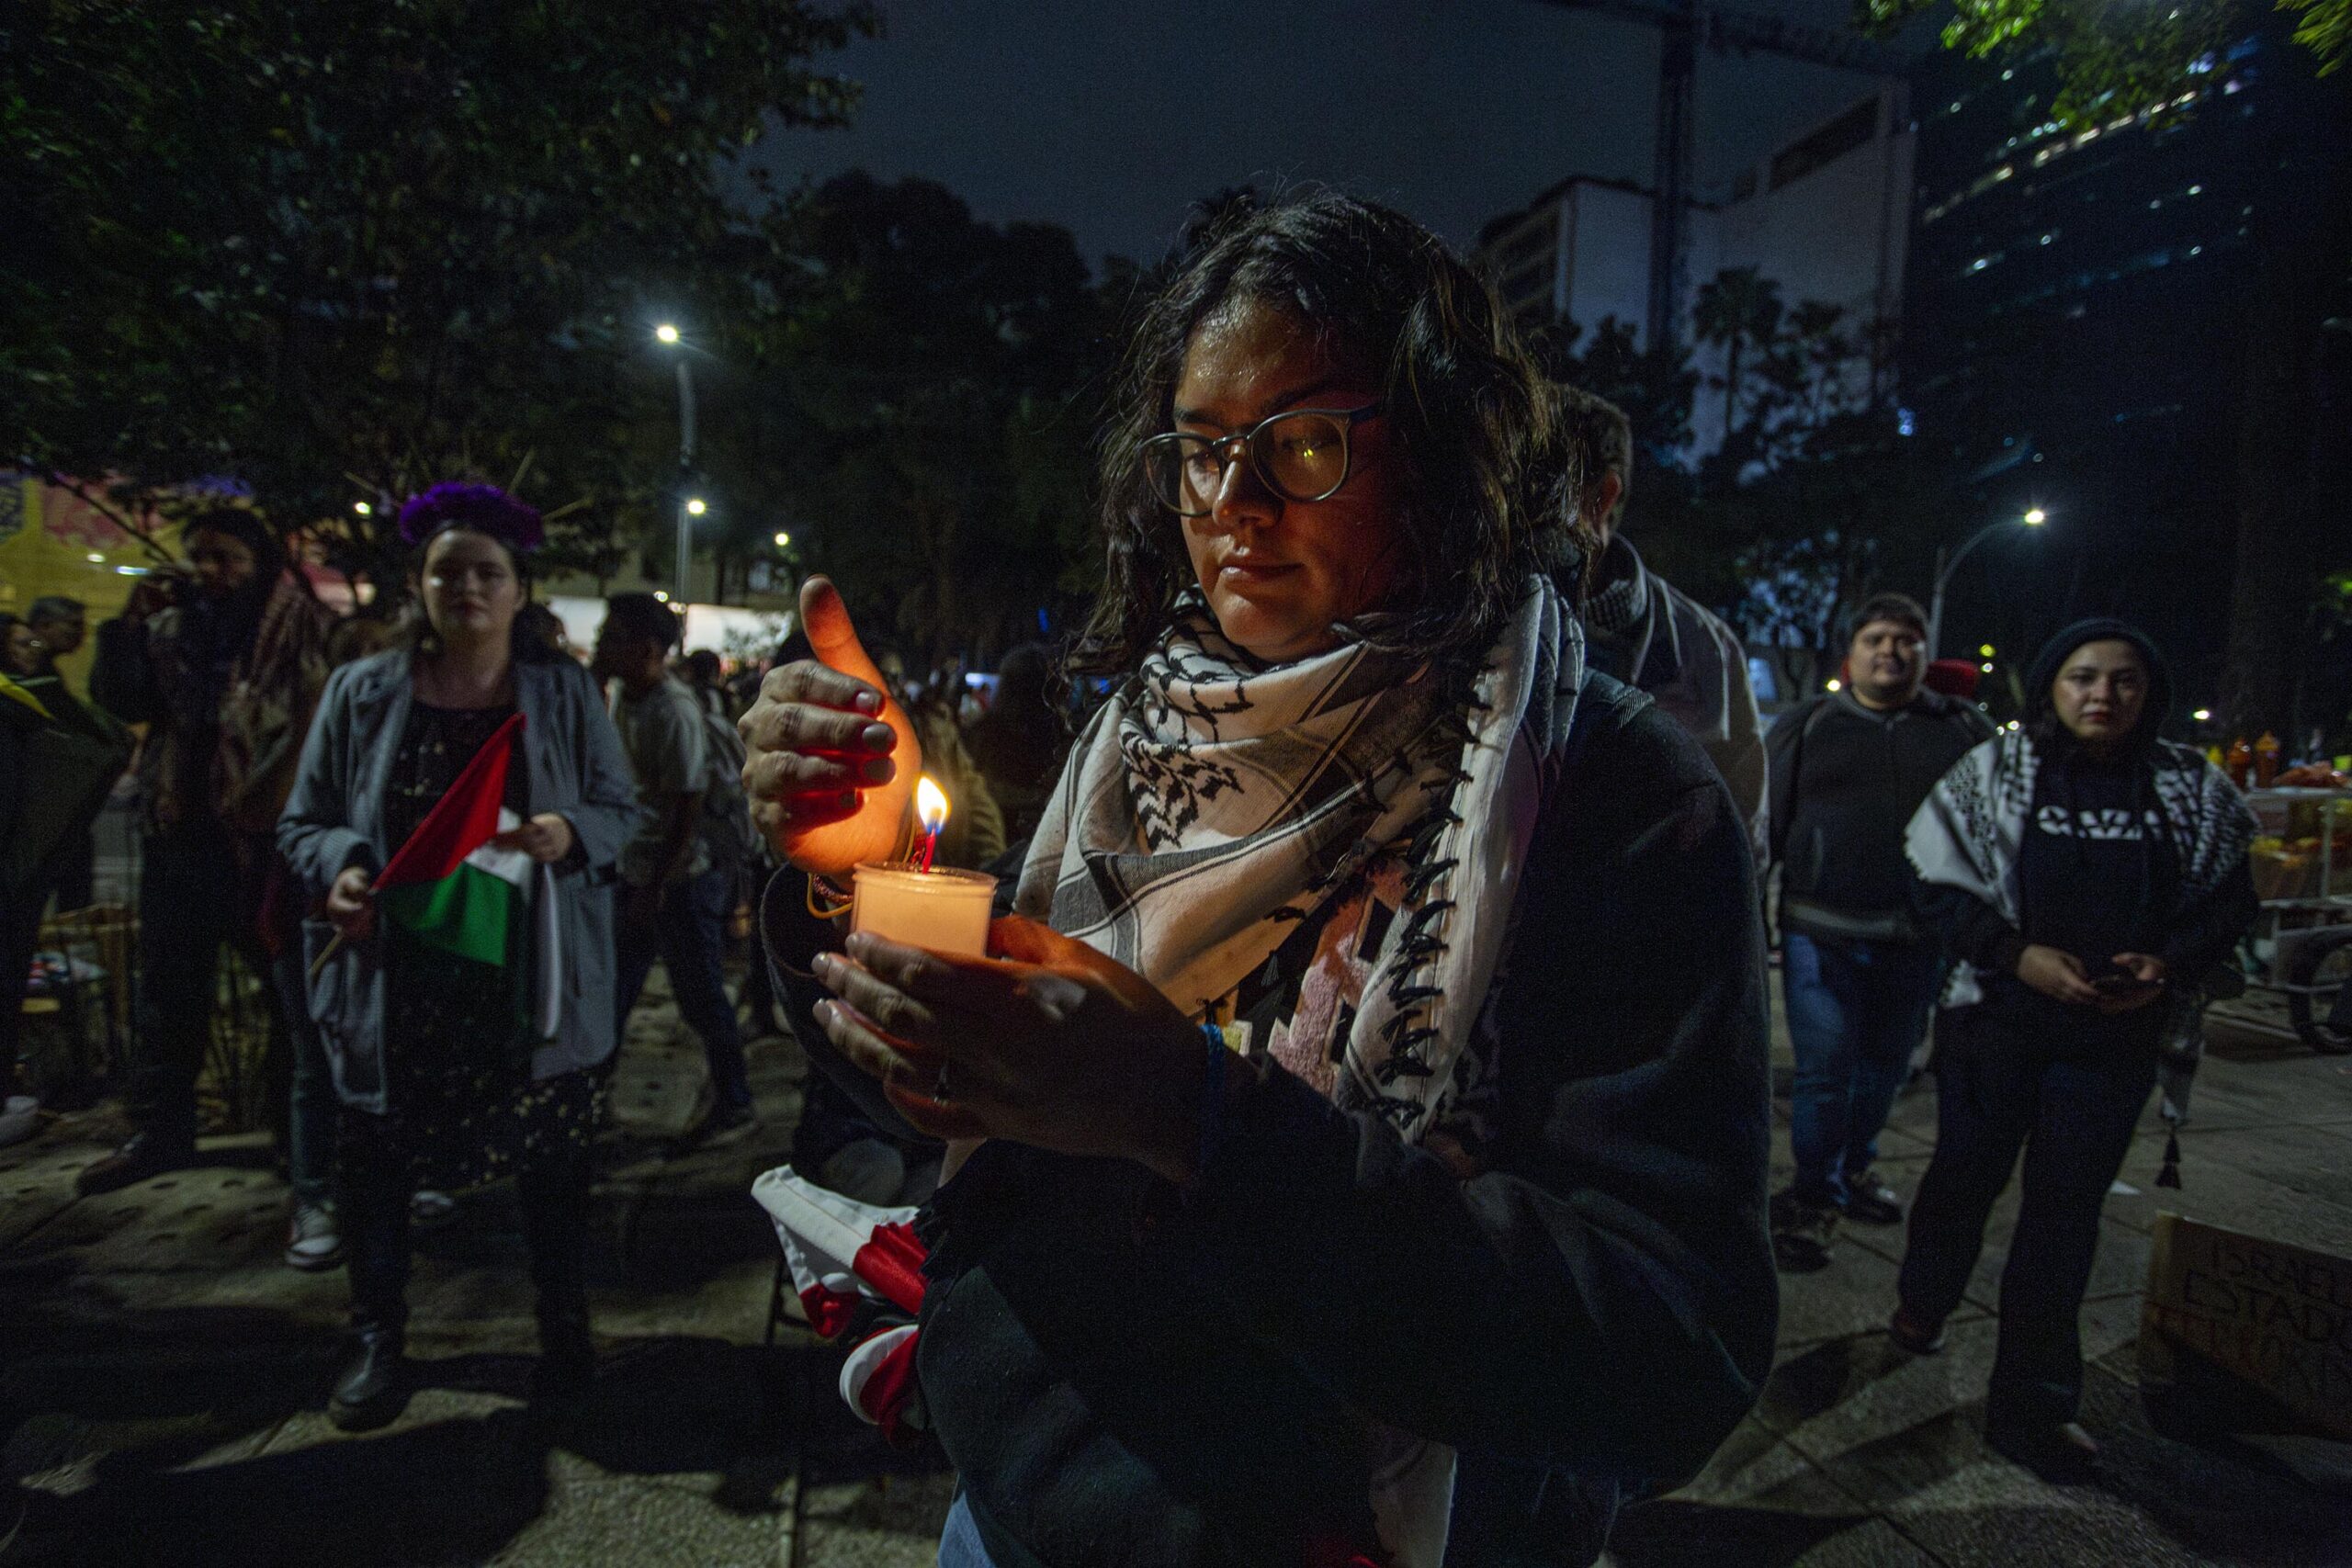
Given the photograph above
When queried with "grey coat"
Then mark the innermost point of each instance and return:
(335, 820)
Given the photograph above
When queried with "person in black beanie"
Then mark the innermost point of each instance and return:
(2090, 877)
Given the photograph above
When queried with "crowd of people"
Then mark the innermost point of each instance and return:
(1354, 1148)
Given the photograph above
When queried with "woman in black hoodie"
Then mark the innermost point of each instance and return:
(2089, 876)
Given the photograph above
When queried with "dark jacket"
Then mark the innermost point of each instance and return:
(1846, 779)
(227, 689)
(1127, 1374)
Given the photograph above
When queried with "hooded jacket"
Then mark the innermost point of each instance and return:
(2031, 840)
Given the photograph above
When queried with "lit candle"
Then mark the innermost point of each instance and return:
(931, 808)
(945, 910)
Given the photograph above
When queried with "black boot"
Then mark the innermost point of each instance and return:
(148, 1153)
(373, 1389)
(554, 1190)
(567, 1368)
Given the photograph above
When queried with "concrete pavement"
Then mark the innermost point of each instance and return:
(165, 1373)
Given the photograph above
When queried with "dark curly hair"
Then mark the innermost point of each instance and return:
(1486, 481)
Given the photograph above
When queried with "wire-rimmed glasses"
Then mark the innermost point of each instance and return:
(1299, 454)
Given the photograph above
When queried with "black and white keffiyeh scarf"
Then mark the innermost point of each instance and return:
(1213, 802)
(1970, 834)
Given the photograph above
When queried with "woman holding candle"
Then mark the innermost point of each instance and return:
(1372, 1079)
(458, 1068)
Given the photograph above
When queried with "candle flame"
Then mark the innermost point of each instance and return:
(931, 806)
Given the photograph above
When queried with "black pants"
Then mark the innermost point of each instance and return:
(199, 888)
(378, 1177)
(2074, 1119)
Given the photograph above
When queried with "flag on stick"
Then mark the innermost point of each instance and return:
(447, 887)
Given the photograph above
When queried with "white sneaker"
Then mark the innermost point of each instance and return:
(429, 1211)
(313, 1240)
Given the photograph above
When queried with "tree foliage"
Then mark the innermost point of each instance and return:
(932, 392)
(338, 251)
(2115, 55)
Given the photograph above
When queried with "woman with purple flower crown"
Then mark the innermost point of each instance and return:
(462, 1032)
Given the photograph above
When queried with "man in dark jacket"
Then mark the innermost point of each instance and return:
(1858, 973)
(223, 665)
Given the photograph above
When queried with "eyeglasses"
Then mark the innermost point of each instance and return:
(1300, 454)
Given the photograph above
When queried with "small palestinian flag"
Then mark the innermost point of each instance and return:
(447, 887)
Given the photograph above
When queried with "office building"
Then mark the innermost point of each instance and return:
(1826, 215)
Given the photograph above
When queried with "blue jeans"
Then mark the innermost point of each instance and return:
(1857, 1009)
(313, 1110)
(2074, 1119)
(960, 1542)
(688, 936)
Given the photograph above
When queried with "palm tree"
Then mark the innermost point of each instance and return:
(1740, 307)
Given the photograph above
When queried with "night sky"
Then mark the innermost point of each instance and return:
(1110, 118)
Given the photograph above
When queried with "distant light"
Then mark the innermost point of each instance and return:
(783, 541)
(95, 558)
(362, 508)
(2034, 517)
(1986, 650)
(664, 597)
(695, 508)
(129, 571)
(2196, 190)
(2202, 715)
(1905, 423)
(666, 332)
(2196, 250)
(2046, 238)
(2012, 723)
(1833, 683)
(1987, 667)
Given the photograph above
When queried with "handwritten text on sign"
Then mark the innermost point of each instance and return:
(2278, 1316)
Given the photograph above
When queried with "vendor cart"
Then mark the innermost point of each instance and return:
(2302, 945)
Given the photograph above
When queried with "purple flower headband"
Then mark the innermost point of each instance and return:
(485, 508)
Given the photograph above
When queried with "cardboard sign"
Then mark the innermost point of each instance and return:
(2257, 1327)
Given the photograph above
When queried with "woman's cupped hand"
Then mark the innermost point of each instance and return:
(830, 759)
(1047, 1042)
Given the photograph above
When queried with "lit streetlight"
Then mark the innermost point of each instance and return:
(2034, 517)
(783, 541)
(666, 334)
(362, 508)
(695, 506)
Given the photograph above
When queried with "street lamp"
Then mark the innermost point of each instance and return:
(694, 507)
(784, 541)
(688, 508)
(2033, 517)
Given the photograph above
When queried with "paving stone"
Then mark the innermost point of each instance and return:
(1854, 1295)
(886, 1522)
(2216, 1191)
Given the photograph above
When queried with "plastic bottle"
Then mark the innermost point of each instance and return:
(2266, 760)
(2241, 760)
